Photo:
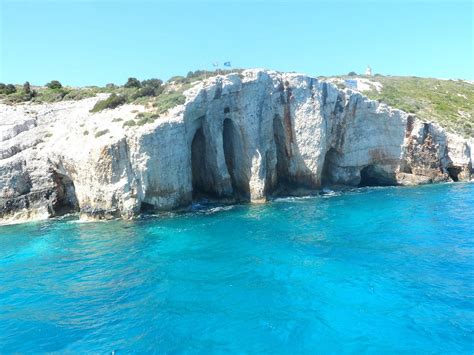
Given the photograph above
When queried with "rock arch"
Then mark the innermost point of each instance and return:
(63, 199)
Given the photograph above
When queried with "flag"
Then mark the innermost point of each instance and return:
(227, 64)
(215, 64)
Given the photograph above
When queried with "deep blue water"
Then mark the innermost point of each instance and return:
(383, 270)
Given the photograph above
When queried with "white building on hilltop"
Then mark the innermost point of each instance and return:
(368, 71)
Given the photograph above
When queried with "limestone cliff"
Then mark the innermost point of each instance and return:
(238, 137)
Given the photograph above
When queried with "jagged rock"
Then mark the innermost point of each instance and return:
(237, 137)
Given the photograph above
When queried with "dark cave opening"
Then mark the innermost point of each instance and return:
(233, 153)
(372, 175)
(453, 172)
(65, 199)
(329, 161)
(200, 177)
(146, 207)
(282, 151)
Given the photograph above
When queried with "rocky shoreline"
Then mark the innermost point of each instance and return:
(239, 137)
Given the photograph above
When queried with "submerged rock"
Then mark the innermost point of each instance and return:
(238, 137)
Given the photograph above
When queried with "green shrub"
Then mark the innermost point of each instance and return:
(177, 79)
(7, 89)
(101, 133)
(129, 123)
(146, 117)
(79, 94)
(132, 83)
(144, 91)
(352, 73)
(152, 83)
(27, 87)
(54, 84)
(86, 133)
(165, 102)
(111, 102)
(117, 120)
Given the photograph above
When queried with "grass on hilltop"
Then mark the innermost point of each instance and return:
(447, 102)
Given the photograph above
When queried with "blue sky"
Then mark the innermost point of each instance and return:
(88, 42)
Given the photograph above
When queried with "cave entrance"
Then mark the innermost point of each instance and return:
(453, 172)
(282, 151)
(373, 175)
(329, 161)
(146, 207)
(233, 154)
(64, 198)
(200, 176)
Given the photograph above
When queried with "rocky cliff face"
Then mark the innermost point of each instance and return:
(237, 137)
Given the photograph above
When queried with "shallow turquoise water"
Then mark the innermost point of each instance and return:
(375, 271)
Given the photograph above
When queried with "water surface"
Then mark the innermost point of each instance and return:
(379, 270)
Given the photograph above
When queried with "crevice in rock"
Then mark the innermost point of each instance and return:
(63, 199)
(202, 186)
(373, 175)
(329, 161)
(453, 172)
(282, 151)
(233, 153)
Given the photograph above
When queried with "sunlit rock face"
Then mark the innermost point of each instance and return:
(239, 137)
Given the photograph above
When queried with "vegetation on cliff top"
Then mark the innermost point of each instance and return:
(447, 102)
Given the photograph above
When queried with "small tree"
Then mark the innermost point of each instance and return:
(132, 83)
(352, 73)
(153, 83)
(27, 88)
(54, 84)
(10, 89)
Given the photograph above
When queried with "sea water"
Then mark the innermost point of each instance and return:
(374, 270)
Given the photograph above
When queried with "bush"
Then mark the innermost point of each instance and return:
(132, 83)
(178, 79)
(168, 101)
(153, 83)
(145, 91)
(146, 117)
(111, 102)
(352, 73)
(101, 133)
(7, 89)
(129, 123)
(54, 84)
(27, 88)
(79, 94)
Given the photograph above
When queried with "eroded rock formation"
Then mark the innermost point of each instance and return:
(238, 137)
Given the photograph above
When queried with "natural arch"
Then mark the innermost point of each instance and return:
(233, 154)
(64, 199)
(453, 172)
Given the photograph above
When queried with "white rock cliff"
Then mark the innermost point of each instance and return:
(238, 137)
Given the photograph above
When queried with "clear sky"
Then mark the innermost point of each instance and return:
(86, 42)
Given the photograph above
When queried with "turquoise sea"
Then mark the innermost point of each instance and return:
(374, 270)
